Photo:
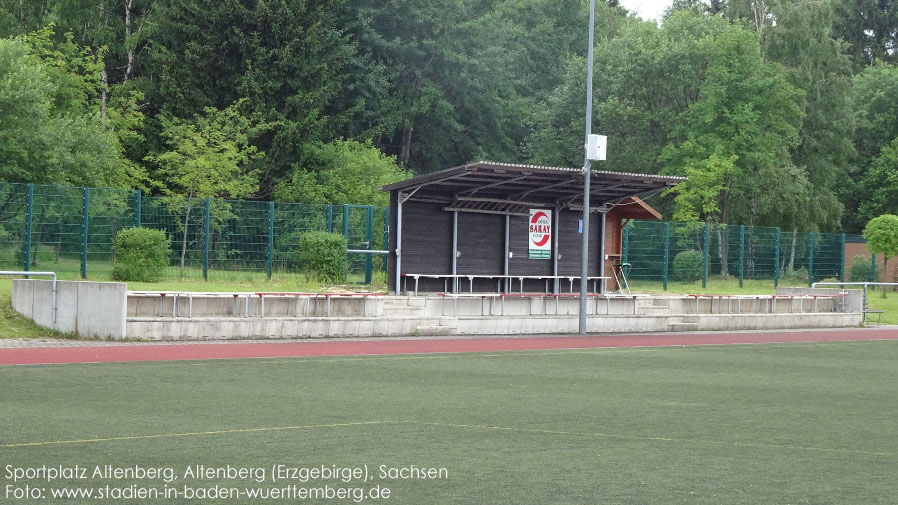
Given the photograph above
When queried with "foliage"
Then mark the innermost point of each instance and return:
(349, 172)
(687, 266)
(209, 158)
(322, 256)
(737, 138)
(794, 276)
(860, 270)
(49, 129)
(881, 234)
(880, 185)
(141, 254)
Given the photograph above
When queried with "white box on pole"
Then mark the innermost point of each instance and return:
(596, 146)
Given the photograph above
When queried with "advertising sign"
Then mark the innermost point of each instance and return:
(540, 234)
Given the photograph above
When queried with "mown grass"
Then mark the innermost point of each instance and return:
(752, 424)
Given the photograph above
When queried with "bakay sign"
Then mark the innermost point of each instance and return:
(540, 234)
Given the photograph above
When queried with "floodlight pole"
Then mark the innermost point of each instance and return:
(584, 256)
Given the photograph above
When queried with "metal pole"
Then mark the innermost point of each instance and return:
(507, 250)
(842, 258)
(555, 285)
(138, 196)
(206, 231)
(85, 202)
(386, 238)
(810, 258)
(346, 222)
(29, 213)
(270, 238)
(706, 235)
(455, 251)
(602, 255)
(741, 253)
(625, 246)
(666, 266)
(584, 254)
(369, 238)
(398, 238)
(776, 260)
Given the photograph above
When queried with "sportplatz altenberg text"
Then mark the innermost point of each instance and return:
(277, 472)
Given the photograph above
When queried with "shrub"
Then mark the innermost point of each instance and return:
(141, 254)
(791, 276)
(860, 269)
(687, 266)
(322, 256)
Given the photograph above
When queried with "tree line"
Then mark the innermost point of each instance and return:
(780, 112)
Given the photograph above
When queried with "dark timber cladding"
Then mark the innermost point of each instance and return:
(471, 206)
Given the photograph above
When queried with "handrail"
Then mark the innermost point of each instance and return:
(42, 274)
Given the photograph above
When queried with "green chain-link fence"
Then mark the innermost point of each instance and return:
(70, 231)
(736, 251)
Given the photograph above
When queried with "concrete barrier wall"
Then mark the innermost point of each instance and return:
(854, 301)
(90, 309)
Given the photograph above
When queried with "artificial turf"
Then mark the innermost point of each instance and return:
(752, 424)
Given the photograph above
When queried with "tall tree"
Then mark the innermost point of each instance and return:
(209, 157)
(737, 138)
(871, 29)
(285, 57)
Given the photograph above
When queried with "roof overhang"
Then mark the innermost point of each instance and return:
(505, 188)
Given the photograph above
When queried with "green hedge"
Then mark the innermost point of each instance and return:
(687, 266)
(322, 256)
(141, 254)
(860, 269)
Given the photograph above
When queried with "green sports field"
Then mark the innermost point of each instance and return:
(739, 424)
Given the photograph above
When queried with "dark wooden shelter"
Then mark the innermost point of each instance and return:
(474, 220)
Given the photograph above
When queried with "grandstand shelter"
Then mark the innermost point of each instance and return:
(489, 227)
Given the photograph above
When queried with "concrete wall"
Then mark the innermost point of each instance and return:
(90, 309)
(854, 302)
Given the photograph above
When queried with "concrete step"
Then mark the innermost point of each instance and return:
(654, 309)
(436, 330)
(682, 326)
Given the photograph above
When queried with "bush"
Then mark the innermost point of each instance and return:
(794, 277)
(141, 254)
(322, 256)
(687, 266)
(860, 269)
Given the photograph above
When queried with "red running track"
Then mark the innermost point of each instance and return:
(169, 352)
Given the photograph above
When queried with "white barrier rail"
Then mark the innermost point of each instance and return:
(41, 274)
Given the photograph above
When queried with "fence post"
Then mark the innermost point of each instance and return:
(873, 267)
(85, 202)
(386, 237)
(206, 230)
(741, 253)
(270, 238)
(776, 260)
(666, 251)
(625, 245)
(330, 217)
(369, 236)
(842, 260)
(346, 222)
(810, 258)
(705, 247)
(29, 212)
(137, 207)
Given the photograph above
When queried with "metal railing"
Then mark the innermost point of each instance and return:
(42, 274)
